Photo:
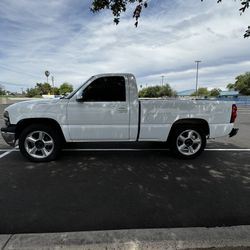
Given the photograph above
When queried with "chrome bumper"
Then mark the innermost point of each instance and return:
(9, 135)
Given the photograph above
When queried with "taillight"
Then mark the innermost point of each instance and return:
(234, 113)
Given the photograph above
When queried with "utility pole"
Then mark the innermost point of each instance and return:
(162, 80)
(52, 80)
(197, 76)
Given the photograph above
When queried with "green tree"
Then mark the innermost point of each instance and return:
(44, 88)
(157, 91)
(56, 91)
(149, 92)
(119, 6)
(231, 86)
(242, 84)
(39, 89)
(31, 92)
(215, 92)
(201, 92)
(2, 91)
(65, 88)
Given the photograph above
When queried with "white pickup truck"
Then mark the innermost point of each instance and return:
(106, 108)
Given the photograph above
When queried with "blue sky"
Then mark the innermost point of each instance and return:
(64, 37)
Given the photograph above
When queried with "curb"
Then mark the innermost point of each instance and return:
(237, 237)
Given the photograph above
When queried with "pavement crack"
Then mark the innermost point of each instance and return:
(7, 242)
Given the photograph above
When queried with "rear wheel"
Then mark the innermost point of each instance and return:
(40, 143)
(188, 141)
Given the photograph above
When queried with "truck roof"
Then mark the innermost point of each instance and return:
(114, 74)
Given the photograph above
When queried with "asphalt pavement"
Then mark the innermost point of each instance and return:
(124, 190)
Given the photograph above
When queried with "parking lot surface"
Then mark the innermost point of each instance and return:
(107, 190)
(101, 186)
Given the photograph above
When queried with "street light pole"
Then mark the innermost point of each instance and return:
(162, 80)
(197, 76)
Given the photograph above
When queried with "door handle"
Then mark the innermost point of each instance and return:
(122, 109)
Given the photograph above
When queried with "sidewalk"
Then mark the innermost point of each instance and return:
(181, 238)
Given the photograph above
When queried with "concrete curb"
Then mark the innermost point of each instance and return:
(180, 238)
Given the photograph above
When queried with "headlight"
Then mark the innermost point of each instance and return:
(6, 118)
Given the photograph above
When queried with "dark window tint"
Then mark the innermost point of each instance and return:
(106, 89)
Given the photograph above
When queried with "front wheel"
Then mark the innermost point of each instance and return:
(188, 141)
(40, 143)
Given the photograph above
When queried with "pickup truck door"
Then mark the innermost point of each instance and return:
(103, 112)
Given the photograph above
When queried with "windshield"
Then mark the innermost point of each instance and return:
(73, 93)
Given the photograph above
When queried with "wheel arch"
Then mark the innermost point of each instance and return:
(47, 121)
(190, 121)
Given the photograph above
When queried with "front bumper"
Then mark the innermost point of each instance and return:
(233, 132)
(9, 135)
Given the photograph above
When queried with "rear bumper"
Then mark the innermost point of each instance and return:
(9, 135)
(220, 130)
(233, 132)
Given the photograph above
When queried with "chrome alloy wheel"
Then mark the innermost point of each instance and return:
(189, 142)
(39, 144)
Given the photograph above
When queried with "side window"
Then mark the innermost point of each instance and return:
(106, 89)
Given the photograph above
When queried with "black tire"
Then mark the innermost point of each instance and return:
(181, 144)
(40, 143)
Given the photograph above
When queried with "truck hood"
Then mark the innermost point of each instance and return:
(49, 108)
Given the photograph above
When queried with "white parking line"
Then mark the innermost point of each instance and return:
(8, 151)
(228, 149)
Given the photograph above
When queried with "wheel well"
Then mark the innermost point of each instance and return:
(26, 122)
(191, 121)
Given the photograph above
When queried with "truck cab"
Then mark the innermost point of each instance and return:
(104, 109)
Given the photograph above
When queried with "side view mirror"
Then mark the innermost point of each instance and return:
(80, 96)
